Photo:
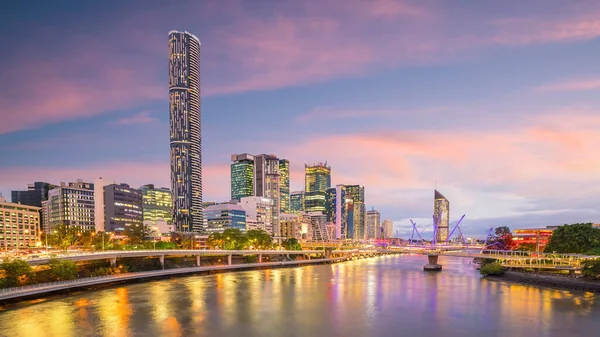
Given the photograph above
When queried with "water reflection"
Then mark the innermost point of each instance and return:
(386, 296)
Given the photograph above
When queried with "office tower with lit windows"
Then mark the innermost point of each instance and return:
(185, 133)
(267, 183)
(157, 204)
(70, 204)
(122, 209)
(224, 216)
(441, 216)
(336, 210)
(316, 180)
(242, 176)
(356, 212)
(296, 201)
(284, 186)
(373, 224)
(19, 225)
(35, 194)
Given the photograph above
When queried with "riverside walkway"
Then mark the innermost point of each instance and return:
(44, 288)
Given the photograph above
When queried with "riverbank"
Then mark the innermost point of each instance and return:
(13, 295)
(554, 281)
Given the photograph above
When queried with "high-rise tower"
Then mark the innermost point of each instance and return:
(186, 137)
(316, 181)
(284, 185)
(242, 176)
(441, 216)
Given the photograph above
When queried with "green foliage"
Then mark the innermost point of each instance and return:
(235, 239)
(291, 244)
(259, 239)
(492, 269)
(527, 247)
(63, 269)
(502, 240)
(594, 251)
(136, 234)
(591, 268)
(250, 259)
(577, 238)
(16, 272)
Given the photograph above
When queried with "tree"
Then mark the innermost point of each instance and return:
(63, 269)
(234, 239)
(576, 238)
(502, 239)
(259, 239)
(215, 240)
(16, 272)
(591, 268)
(291, 244)
(136, 233)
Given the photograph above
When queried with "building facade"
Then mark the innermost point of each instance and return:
(388, 229)
(336, 210)
(317, 226)
(535, 239)
(317, 179)
(122, 208)
(267, 183)
(225, 216)
(99, 184)
(373, 224)
(356, 212)
(441, 216)
(297, 201)
(259, 213)
(35, 194)
(71, 205)
(284, 186)
(185, 133)
(157, 204)
(291, 226)
(242, 176)
(19, 225)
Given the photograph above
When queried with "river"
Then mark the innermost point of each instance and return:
(383, 296)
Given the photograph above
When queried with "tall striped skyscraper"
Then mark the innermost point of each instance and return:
(186, 136)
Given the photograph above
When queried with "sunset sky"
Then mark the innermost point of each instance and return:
(496, 102)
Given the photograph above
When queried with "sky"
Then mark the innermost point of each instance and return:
(495, 103)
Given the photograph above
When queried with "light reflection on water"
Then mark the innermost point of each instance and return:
(385, 296)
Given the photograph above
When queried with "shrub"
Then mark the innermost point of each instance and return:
(591, 268)
(492, 269)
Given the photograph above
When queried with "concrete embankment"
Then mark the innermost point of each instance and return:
(12, 295)
(554, 281)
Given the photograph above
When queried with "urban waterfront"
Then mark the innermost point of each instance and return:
(384, 296)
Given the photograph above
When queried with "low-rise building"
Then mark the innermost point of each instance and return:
(224, 216)
(19, 225)
(290, 225)
(260, 213)
(533, 238)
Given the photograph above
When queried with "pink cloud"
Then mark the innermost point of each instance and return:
(545, 157)
(215, 177)
(140, 118)
(571, 85)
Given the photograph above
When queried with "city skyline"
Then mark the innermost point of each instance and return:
(485, 105)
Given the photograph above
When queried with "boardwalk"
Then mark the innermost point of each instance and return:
(44, 288)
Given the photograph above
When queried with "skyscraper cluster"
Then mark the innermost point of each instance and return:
(260, 184)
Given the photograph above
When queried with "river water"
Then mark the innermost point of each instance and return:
(384, 296)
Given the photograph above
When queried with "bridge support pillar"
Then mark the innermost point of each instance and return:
(571, 273)
(259, 258)
(113, 262)
(328, 252)
(433, 263)
(309, 257)
(229, 260)
(162, 261)
(197, 260)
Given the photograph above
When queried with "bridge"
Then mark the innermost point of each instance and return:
(508, 259)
